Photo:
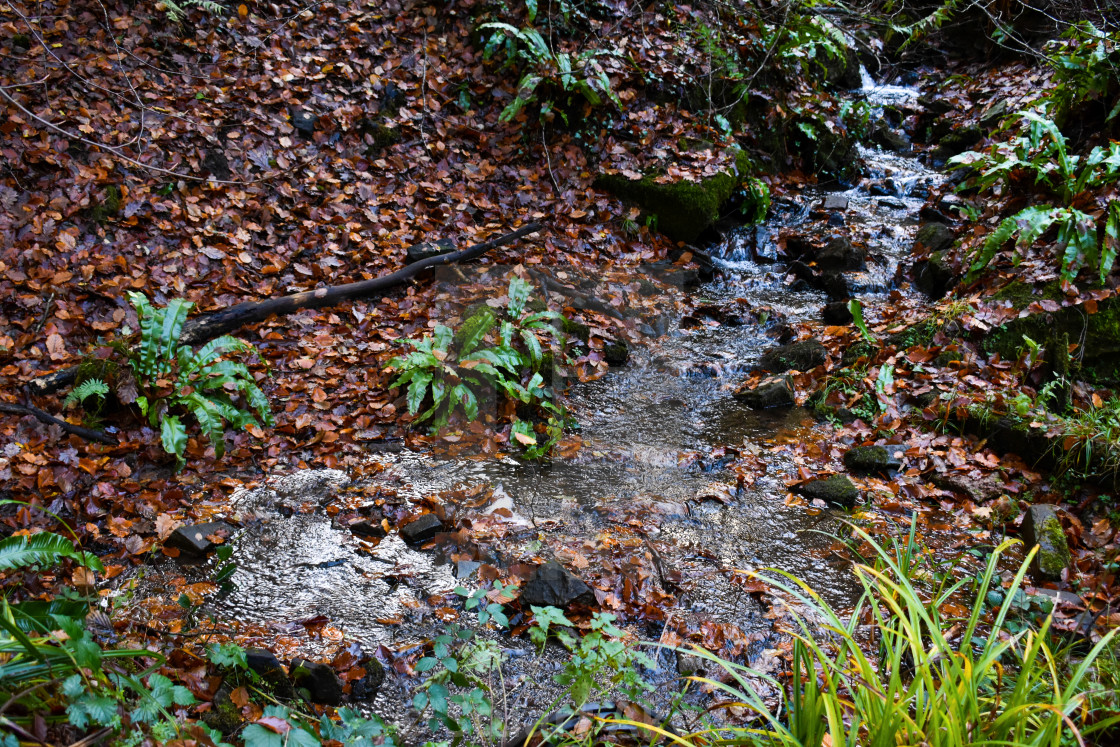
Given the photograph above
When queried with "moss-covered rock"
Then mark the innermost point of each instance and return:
(684, 209)
(108, 206)
(224, 715)
(934, 275)
(957, 141)
(830, 154)
(773, 391)
(798, 356)
(1042, 527)
(1021, 295)
(616, 353)
(870, 459)
(575, 330)
(835, 491)
(1099, 332)
(935, 237)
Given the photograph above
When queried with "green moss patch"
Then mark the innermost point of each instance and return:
(684, 209)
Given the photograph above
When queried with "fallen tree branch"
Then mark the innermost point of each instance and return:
(203, 328)
(46, 417)
(579, 300)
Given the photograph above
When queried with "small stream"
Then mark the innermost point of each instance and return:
(660, 436)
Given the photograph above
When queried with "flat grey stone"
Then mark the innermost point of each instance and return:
(193, 539)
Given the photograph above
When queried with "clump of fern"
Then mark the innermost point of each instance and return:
(1042, 151)
(169, 380)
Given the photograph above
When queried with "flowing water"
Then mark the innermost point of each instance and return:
(651, 477)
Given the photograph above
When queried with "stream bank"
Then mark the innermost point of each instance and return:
(677, 491)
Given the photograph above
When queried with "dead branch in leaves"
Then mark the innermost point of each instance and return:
(578, 300)
(46, 417)
(203, 328)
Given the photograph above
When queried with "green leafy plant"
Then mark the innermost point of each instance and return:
(487, 356)
(177, 9)
(551, 77)
(169, 378)
(1041, 151)
(806, 40)
(942, 675)
(856, 308)
(52, 670)
(464, 690)
(88, 388)
(1086, 65)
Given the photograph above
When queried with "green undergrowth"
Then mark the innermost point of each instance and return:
(493, 362)
(167, 380)
(54, 674)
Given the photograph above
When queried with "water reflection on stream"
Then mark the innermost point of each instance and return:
(641, 425)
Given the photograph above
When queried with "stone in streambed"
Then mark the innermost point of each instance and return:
(267, 666)
(365, 689)
(797, 356)
(840, 254)
(1042, 527)
(616, 353)
(773, 391)
(835, 491)
(421, 529)
(836, 312)
(870, 459)
(552, 585)
(319, 680)
(195, 540)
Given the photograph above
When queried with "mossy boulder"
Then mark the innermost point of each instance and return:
(832, 155)
(224, 715)
(616, 353)
(575, 330)
(934, 237)
(934, 275)
(797, 356)
(773, 391)
(1042, 527)
(108, 206)
(835, 491)
(685, 209)
(957, 141)
(1099, 333)
(870, 460)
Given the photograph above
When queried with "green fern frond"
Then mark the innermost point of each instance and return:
(44, 549)
(85, 390)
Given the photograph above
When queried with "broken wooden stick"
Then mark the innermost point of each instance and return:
(45, 417)
(203, 328)
(579, 300)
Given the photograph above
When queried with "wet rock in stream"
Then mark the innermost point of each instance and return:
(836, 312)
(269, 669)
(552, 585)
(197, 540)
(796, 356)
(773, 391)
(319, 681)
(421, 529)
(835, 491)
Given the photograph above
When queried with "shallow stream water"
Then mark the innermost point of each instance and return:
(655, 433)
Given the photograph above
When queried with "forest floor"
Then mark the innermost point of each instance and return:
(264, 152)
